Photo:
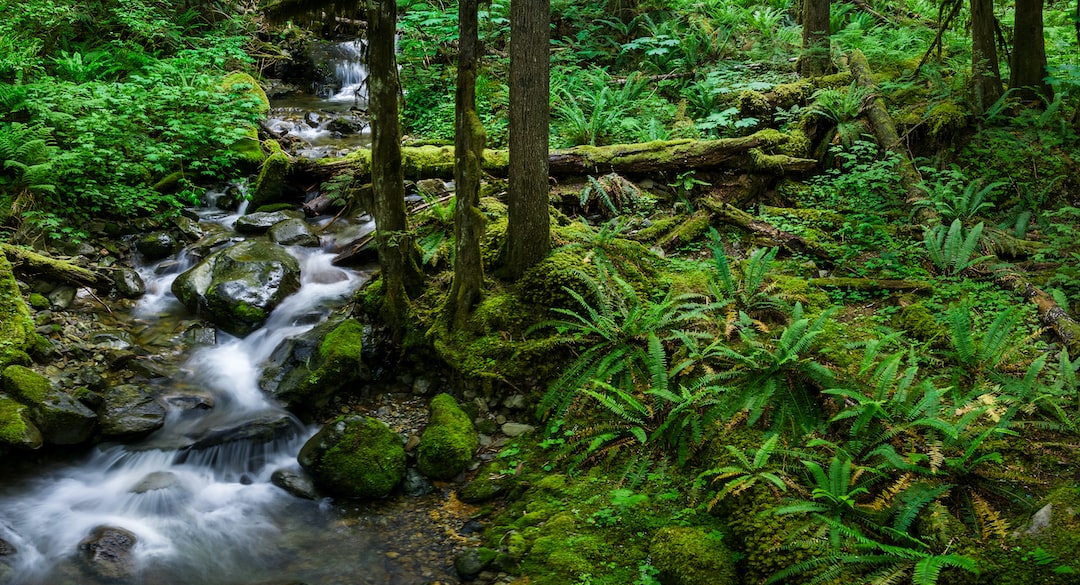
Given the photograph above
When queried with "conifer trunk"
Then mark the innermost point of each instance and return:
(1028, 73)
(985, 73)
(815, 60)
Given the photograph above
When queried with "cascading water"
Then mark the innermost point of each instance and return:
(197, 494)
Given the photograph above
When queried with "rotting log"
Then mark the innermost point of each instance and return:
(871, 284)
(732, 215)
(1050, 313)
(32, 263)
(762, 152)
(887, 138)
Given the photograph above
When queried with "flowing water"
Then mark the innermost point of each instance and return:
(204, 510)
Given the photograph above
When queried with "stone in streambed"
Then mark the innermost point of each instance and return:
(449, 441)
(261, 221)
(293, 232)
(296, 482)
(355, 456)
(108, 553)
(129, 411)
(61, 419)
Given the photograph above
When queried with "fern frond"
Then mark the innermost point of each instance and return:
(991, 524)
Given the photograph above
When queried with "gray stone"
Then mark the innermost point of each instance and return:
(189, 400)
(157, 245)
(473, 561)
(238, 287)
(62, 296)
(189, 227)
(293, 232)
(261, 221)
(512, 429)
(262, 429)
(157, 480)
(129, 411)
(63, 420)
(1041, 520)
(515, 401)
(296, 482)
(128, 283)
(415, 484)
(107, 553)
(114, 339)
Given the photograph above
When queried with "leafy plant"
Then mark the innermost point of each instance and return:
(953, 251)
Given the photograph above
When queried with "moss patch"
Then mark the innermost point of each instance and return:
(15, 426)
(25, 384)
(690, 556)
(448, 442)
(356, 457)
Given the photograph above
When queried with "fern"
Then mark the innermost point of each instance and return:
(952, 251)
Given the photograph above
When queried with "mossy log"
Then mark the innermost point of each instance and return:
(1050, 313)
(887, 137)
(732, 215)
(761, 152)
(32, 263)
(871, 284)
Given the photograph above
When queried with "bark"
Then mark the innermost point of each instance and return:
(399, 270)
(27, 262)
(469, 153)
(885, 132)
(1050, 313)
(985, 73)
(528, 233)
(732, 215)
(1028, 74)
(815, 60)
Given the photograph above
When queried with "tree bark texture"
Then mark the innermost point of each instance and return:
(529, 231)
(394, 242)
(815, 59)
(1050, 313)
(1028, 73)
(985, 73)
(469, 153)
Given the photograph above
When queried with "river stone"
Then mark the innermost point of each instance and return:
(129, 411)
(264, 428)
(473, 561)
(114, 339)
(355, 456)
(261, 221)
(62, 296)
(293, 232)
(107, 553)
(238, 287)
(156, 245)
(16, 428)
(215, 236)
(189, 227)
(512, 429)
(60, 418)
(448, 442)
(296, 482)
(415, 484)
(129, 284)
(184, 400)
(156, 480)
(6, 548)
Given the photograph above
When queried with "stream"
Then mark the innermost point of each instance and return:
(197, 493)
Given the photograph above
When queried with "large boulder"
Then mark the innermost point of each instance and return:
(261, 221)
(270, 186)
(448, 442)
(16, 428)
(129, 411)
(293, 232)
(240, 286)
(61, 419)
(107, 552)
(17, 336)
(355, 456)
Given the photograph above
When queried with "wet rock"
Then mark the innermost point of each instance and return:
(512, 429)
(449, 441)
(296, 482)
(271, 186)
(216, 236)
(264, 428)
(473, 561)
(157, 245)
(62, 296)
(189, 227)
(261, 221)
(129, 411)
(415, 484)
(16, 428)
(6, 548)
(515, 402)
(293, 232)
(238, 287)
(189, 400)
(157, 480)
(128, 283)
(60, 418)
(108, 553)
(346, 125)
(115, 339)
(355, 456)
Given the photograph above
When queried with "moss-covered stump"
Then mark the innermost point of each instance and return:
(355, 456)
(61, 419)
(689, 556)
(448, 442)
(16, 428)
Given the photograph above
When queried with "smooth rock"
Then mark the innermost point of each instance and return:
(415, 484)
(157, 245)
(107, 553)
(261, 221)
(156, 480)
(128, 283)
(62, 296)
(129, 411)
(512, 429)
(296, 482)
(293, 232)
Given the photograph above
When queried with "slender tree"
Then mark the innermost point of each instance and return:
(396, 251)
(1028, 74)
(985, 73)
(815, 60)
(468, 153)
(529, 231)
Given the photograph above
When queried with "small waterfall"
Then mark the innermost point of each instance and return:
(351, 73)
(196, 493)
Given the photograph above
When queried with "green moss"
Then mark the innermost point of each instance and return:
(275, 207)
(793, 290)
(15, 425)
(25, 384)
(752, 104)
(688, 231)
(244, 82)
(659, 227)
(449, 441)
(789, 94)
(543, 284)
(16, 325)
(919, 322)
(270, 185)
(366, 460)
(945, 119)
(689, 556)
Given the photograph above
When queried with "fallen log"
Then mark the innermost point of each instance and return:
(762, 152)
(871, 284)
(1050, 313)
(732, 215)
(32, 263)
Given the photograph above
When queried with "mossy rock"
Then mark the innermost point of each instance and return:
(16, 428)
(543, 284)
(355, 456)
(919, 322)
(689, 556)
(39, 301)
(449, 441)
(946, 119)
(26, 385)
(16, 325)
(247, 147)
(270, 186)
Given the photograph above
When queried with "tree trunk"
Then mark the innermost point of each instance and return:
(985, 73)
(469, 153)
(815, 61)
(528, 233)
(399, 270)
(1028, 74)
(32, 263)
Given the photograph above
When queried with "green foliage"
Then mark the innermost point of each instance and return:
(841, 108)
(953, 251)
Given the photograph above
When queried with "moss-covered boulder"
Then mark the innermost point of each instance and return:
(238, 287)
(247, 148)
(293, 232)
(355, 456)
(17, 335)
(689, 556)
(270, 186)
(60, 418)
(16, 428)
(447, 444)
(129, 411)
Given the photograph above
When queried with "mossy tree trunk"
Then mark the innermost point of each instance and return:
(814, 60)
(469, 153)
(1028, 72)
(985, 72)
(396, 251)
(529, 232)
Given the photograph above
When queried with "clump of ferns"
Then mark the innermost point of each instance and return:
(612, 195)
(749, 292)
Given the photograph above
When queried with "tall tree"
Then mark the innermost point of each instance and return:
(1028, 73)
(529, 231)
(468, 154)
(985, 72)
(815, 59)
(396, 252)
